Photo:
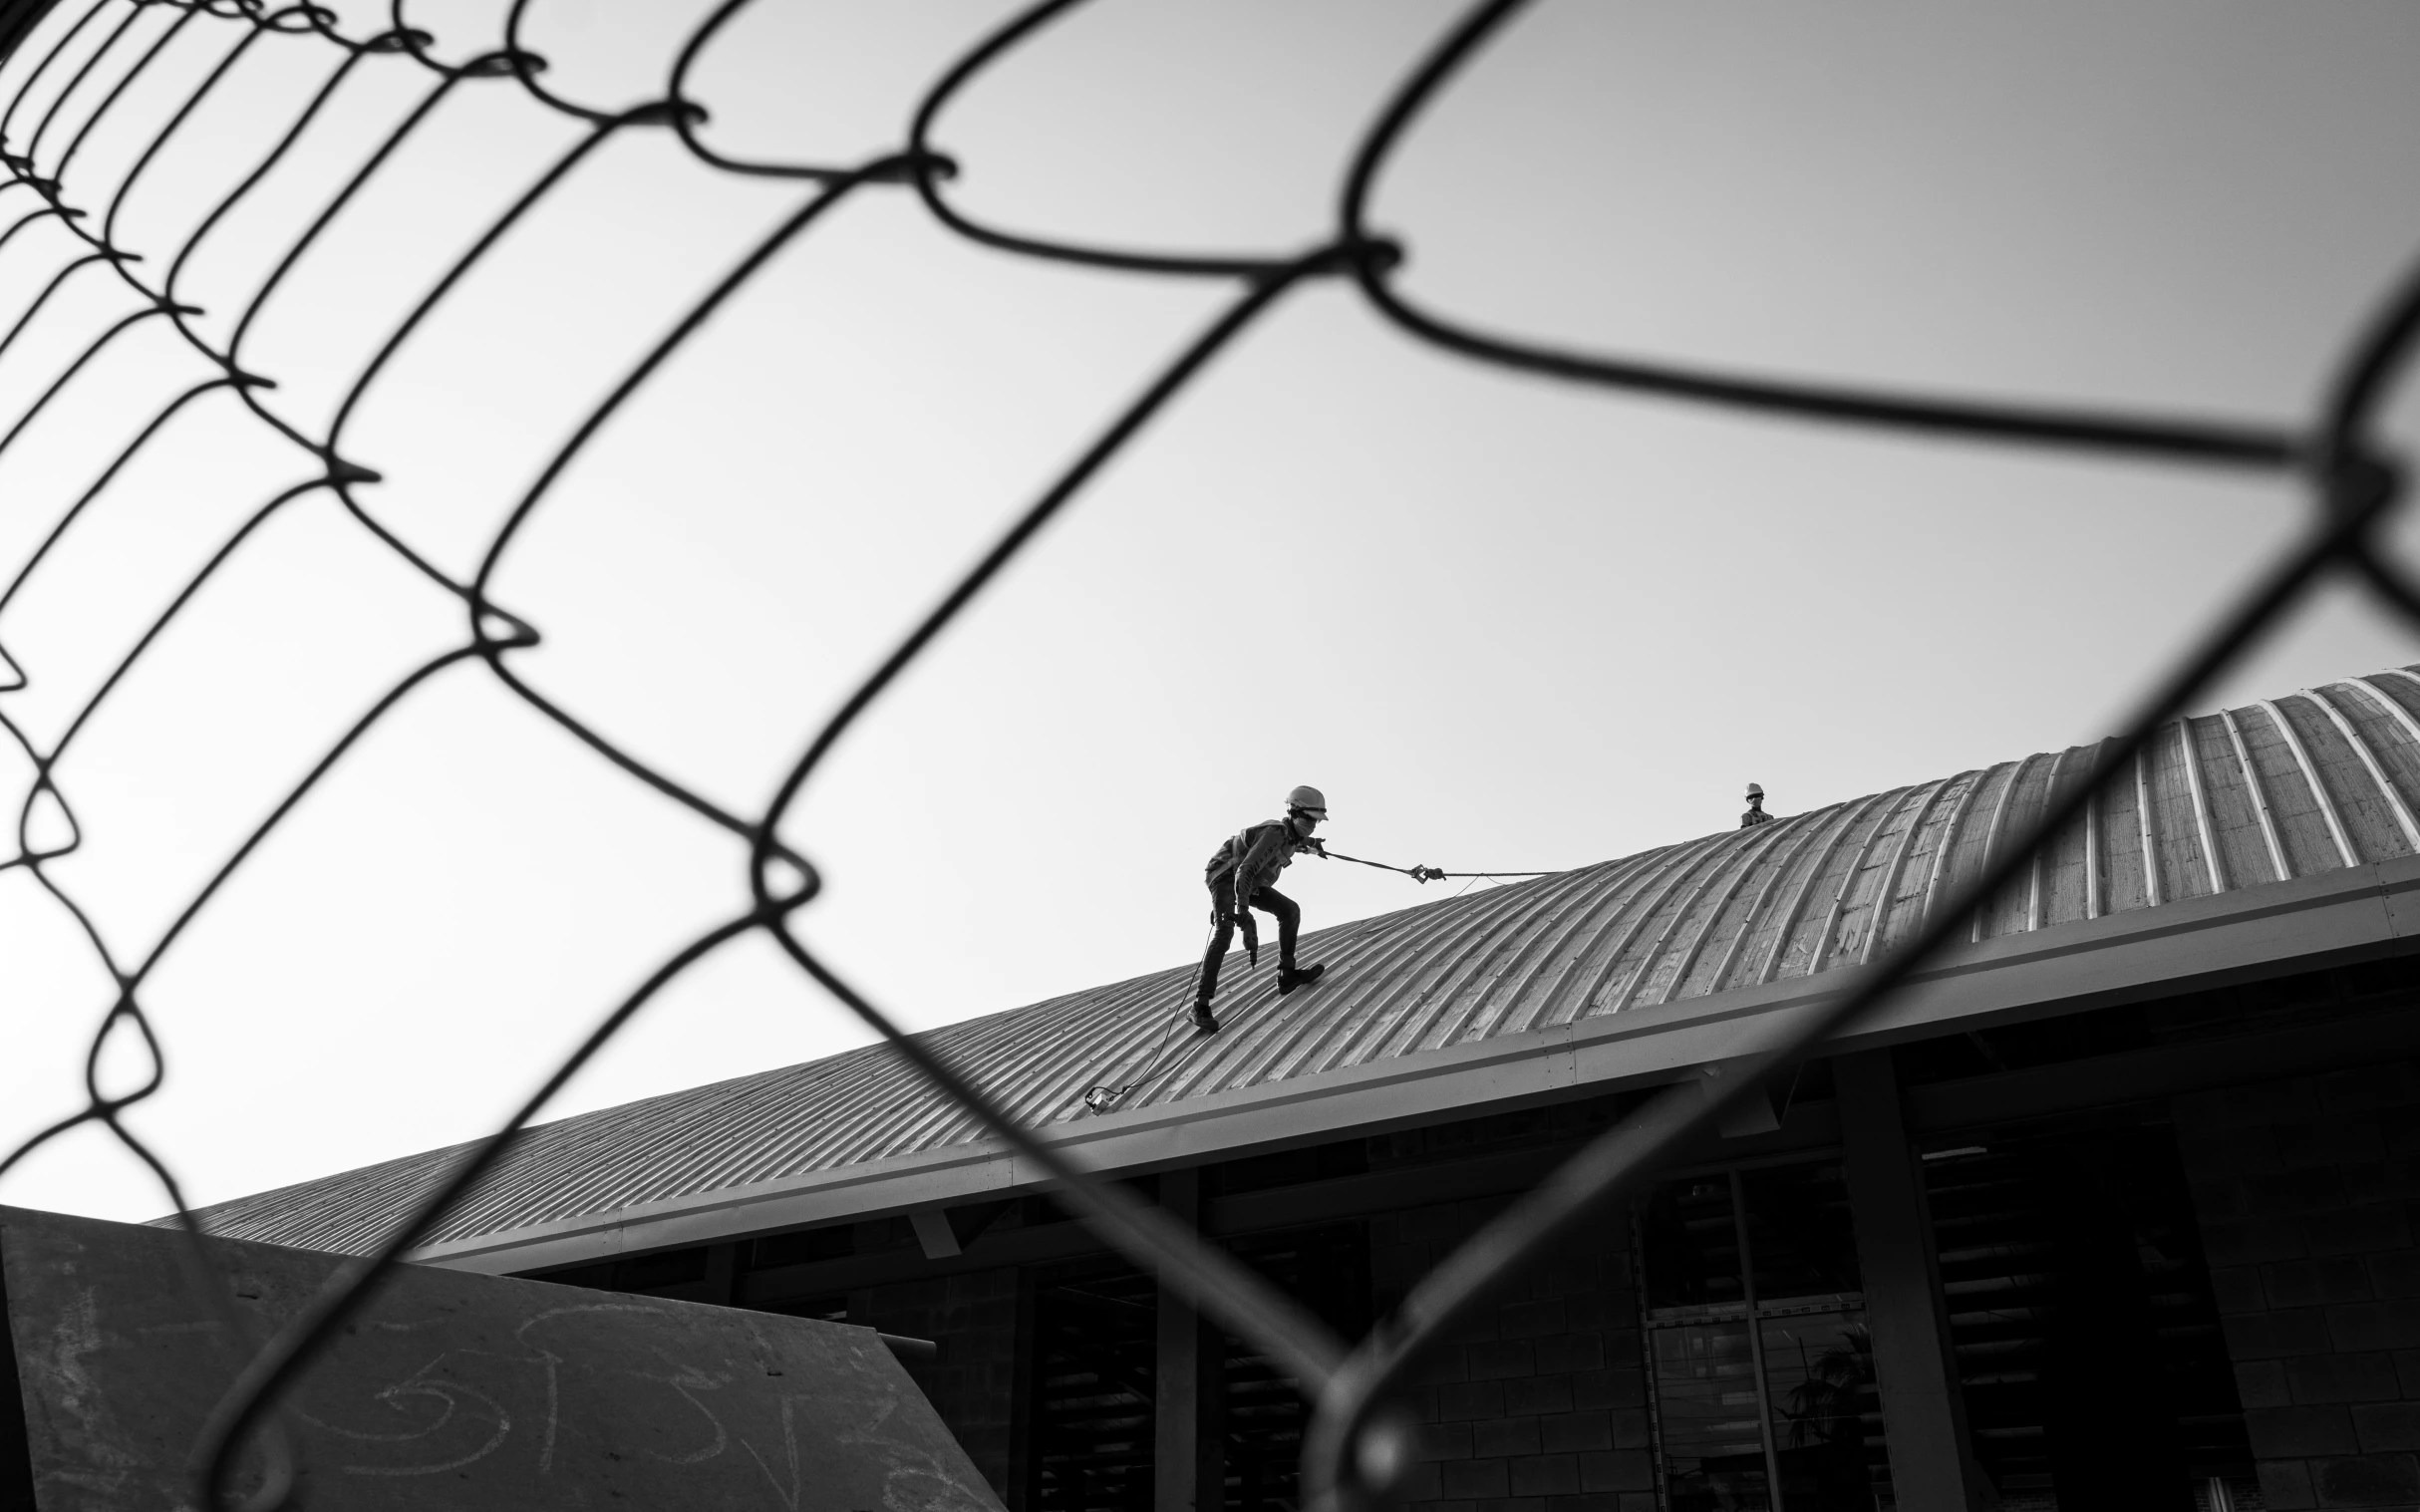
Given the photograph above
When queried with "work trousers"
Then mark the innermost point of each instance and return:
(1222, 929)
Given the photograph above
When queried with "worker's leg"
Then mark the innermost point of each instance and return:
(1222, 935)
(1289, 922)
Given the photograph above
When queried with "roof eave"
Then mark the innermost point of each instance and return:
(2336, 916)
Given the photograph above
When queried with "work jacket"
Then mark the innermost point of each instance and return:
(1255, 856)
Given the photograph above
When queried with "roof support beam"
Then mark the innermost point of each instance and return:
(933, 1234)
(1913, 1369)
(1186, 1464)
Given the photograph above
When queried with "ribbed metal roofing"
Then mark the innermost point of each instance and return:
(2313, 781)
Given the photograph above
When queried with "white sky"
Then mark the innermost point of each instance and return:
(1503, 622)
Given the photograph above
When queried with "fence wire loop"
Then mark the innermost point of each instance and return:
(1362, 1436)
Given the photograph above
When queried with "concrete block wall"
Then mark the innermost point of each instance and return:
(1542, 1407)
(973, 1383)
(2307, 1190)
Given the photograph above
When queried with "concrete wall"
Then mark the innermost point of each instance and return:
(1541, 1407)
(978, 1379)
(2307, 1190)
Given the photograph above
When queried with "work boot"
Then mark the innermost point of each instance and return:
(1288, 979)
(1202, 1018)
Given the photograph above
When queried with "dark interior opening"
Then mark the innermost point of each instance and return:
(2087, 1340)
(1261, 1411)
(1096, 1349)
(1095, 1376)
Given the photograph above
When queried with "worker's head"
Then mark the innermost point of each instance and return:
(1306, 806)
(1755, 796)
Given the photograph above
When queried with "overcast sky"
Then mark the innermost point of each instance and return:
(1504, 623)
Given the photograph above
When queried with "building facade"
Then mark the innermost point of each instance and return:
(2114, 1208)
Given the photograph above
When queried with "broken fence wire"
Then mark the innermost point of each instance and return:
(1360, 1438)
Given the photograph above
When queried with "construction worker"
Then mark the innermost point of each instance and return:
(1239, 876)
(1755, 814)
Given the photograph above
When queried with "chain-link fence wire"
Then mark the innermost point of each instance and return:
(88, 61)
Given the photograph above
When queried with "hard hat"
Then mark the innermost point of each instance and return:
(1755, 791)
(1308, 797)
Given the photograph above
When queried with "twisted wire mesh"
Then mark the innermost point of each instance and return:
(1360, 1439)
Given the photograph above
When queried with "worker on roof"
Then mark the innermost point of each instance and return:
(1755, 814)
(1239, 876)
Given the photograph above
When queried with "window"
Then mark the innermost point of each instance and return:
(1762, 1373)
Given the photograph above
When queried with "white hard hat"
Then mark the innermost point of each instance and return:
(1755, 791)
(1308, 797)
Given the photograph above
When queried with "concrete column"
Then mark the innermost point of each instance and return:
(1923, 1413)
(1187, 1472)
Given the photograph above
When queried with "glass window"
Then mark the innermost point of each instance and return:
(1763, 1375)
(1692, 1245)
(1706, 1386)
(1826, 1413)
(1799, 1230)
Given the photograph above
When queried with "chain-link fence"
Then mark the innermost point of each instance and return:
(74, 64)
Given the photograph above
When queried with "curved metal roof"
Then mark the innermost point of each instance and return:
(2321, 780)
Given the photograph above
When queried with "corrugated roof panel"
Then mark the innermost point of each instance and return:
(2058, 884)
(2179, 869)
(2296, 807)
(2005, 909)
(2126, 881)
(2305, 784)
(2249, 851)
(1798, 933)
(2353, 740)
(1532, 1000)
(2392, 737)
(1874, 889)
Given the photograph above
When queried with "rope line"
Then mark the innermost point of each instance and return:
(1429, 873)
(76, 64)
(1101, 1098)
